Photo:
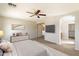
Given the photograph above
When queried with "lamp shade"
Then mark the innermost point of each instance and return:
(1, 33)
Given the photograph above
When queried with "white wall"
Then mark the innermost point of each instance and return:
(65, 21)
(1, 22)
(77, 31)
(77, 34)
(6, 23)
(53, 37)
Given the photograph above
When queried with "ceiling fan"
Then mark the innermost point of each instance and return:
(11, 4)
(36, 13)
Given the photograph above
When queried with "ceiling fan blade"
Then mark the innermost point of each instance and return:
(11, 4)
(38, 16)
(30, 12)
(42, 14)
(32, 15)
(37, 12)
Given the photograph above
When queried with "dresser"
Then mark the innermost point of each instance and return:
(19, 38)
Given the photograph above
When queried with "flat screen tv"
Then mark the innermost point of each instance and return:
(50, 28)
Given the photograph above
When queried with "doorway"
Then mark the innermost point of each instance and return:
(71, 29)
(40, 30)
(67, 31)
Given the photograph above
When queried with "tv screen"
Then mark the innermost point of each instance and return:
(50, 28)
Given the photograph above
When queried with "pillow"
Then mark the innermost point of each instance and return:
(1, 52)
(6, 46)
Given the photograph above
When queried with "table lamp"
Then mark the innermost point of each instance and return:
(1, 35)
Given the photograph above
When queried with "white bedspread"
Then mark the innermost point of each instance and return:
(29, 48)
(32, 48)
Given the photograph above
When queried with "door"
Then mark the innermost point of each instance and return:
(71, 31)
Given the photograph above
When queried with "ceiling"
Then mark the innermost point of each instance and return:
(51, 9)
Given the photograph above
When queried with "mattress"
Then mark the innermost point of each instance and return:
(29, 48)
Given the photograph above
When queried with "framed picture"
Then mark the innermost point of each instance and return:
(17, 27)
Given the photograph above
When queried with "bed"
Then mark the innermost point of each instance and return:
(26, 47)
(31, 48)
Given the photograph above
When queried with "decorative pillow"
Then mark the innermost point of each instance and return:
(6, 47)
(1, 52)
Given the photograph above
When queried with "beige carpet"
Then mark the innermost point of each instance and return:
(68, 49)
